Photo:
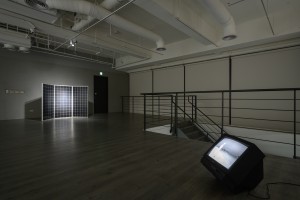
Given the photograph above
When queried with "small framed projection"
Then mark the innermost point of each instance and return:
(60, 101)
(236, 163)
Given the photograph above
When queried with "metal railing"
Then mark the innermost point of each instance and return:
(263, 109)
(133, 104)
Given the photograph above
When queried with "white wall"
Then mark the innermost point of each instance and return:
(209, 75)
(26, 72)
(276, 69)
(168, 80)
(140, 82)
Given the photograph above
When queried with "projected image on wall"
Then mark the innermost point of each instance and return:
(227, 151)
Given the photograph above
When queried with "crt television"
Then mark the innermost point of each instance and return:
(236, 163)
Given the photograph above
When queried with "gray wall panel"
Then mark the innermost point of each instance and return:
(26, 72)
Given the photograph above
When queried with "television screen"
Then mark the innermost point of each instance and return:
(227, 151)
(236, 163)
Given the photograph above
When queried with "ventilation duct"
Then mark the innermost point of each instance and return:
(89, 9)
(13, 40)
(107, 4)
(222, 15)
(39, 12)
(38, 4)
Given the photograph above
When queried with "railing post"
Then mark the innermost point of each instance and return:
(144, 112)
(195, 112)
(122, 104)
(152, 106)
(184, 105)
(132, 104)
(295, 122)
(171, 126)
(192, 107)
(176, 113)
(230, 88)
(158, 106)
(222, 123)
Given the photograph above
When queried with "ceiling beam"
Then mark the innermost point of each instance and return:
(179, 15)
(103, 41)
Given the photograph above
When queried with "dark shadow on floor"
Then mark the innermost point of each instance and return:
(33, 109)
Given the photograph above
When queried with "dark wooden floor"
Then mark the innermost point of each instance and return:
(110, 157)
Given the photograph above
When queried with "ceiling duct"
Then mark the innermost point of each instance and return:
(222, 15)
(107, 4)
(35, 9)
(89, 9)
(38, 4)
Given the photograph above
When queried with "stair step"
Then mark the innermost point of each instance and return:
(189, 128)
(194, 134)
(184, 124)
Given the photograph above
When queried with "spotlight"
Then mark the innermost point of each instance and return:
(73, 43)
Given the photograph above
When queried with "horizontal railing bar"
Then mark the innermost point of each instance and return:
(133, 96)
(259, 119)
(268, 140)
(220, 91)
(235, 108)
(244, 99)
(165, 105)
(156, 111)
(158, 119)
(169, 116)
(155, 124)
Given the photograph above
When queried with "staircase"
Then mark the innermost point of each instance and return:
(191, 131)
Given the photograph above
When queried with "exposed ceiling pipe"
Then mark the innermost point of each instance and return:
(107, 4)
(220, 12)
(89, 9)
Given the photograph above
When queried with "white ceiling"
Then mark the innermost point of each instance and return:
(199, 35)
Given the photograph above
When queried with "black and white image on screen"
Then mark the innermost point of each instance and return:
(227, 151)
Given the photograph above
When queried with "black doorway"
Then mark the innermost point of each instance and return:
(100, 94)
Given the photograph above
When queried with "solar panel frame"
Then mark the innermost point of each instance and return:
(66, 101)
(47, 101)
(80, 101)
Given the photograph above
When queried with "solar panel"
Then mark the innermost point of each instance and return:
(63, 101)
(80, 101)
(48, 101)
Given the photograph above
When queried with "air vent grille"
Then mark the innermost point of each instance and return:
(38, 4)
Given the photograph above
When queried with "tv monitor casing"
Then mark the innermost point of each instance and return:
(245, 171)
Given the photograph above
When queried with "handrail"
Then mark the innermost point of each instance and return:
(202, 129)
(220, 91)
(179, 95)
(223, 131)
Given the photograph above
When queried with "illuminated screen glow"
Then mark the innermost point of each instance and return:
(227, 151)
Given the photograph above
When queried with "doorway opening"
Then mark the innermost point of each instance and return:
(100, 94)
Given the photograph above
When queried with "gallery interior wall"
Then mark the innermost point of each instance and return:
(26, 72)
(270, 69)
